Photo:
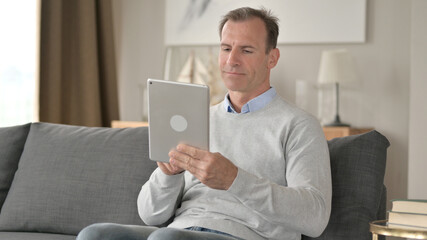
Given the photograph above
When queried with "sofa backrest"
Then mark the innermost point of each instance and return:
(358, 193)
(12, 140)
(69, 177)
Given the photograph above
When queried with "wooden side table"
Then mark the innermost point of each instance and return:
(334, 132)
(126, 124)
(380, 227)
(330, 132)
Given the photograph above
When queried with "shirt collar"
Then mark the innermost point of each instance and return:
(254, 104)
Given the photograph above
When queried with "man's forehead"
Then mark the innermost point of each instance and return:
(247, 33)
(253, 22)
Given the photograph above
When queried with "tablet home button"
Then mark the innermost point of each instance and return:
(178, 123)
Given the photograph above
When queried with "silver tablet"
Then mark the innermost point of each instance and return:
(177, 113)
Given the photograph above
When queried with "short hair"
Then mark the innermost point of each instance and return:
(246, 13)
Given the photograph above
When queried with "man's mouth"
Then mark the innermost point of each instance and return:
(233, 73)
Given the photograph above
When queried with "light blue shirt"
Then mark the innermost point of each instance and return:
(254, 104)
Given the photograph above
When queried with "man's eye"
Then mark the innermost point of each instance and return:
(247, 51)
(226, 49)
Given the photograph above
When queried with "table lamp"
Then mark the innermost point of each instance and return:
(336, 67)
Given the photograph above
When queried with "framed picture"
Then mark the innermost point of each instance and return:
(195, 22)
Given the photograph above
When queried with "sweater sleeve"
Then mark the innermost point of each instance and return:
(304, 204)
(159, 197)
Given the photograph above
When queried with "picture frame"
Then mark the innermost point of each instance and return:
(195, 22)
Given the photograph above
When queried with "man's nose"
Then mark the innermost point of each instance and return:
(233, 58)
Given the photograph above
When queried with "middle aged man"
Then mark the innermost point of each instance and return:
(267, 175)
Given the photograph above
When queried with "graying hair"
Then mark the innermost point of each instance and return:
(245, 13)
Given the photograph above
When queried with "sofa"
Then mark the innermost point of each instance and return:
(56, 179)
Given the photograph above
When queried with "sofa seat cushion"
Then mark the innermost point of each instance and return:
(69, 177)
(12, 140)
(34, 236)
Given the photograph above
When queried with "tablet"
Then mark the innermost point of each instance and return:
(177, 113)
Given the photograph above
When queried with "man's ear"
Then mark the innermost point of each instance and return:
(273, 58)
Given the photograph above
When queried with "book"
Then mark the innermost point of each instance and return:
(406, 227)
(409, 205)
(408, 219)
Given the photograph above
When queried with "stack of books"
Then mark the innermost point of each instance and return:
(408, 214)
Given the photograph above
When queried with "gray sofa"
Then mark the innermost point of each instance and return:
(57, 179)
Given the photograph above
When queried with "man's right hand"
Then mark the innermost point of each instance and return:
(169, 169)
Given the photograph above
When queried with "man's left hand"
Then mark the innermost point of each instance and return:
(212, 169)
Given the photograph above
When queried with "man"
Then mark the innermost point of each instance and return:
(267, 175)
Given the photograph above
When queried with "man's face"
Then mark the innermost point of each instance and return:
(244, 64)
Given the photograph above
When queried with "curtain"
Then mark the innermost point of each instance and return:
(78, 82)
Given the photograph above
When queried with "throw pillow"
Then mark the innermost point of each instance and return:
(12, 140)
(357, 167)
(70, 177)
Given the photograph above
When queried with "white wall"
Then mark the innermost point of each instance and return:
(418, 100)
(382, 100)
(139, 26)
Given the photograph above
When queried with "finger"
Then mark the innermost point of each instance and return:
(174, 167)
(190, 150)
(169, 169)
(165, 168)
(179, 159)
(184, 161)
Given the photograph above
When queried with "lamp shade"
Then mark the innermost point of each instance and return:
(336, 66)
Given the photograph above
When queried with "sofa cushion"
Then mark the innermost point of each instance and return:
(12, 140)
(69, 177)
(35, 236)
(357, 166)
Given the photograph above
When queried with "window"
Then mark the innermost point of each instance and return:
(18, 62)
